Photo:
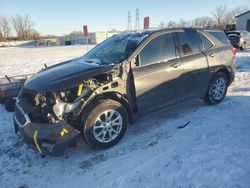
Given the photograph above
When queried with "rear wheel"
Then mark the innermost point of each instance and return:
(104, 123)
(217, 89)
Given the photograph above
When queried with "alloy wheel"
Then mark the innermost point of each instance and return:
(107, 126)
(219, 88)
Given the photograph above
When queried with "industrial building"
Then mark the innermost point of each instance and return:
(77, 38)
(243, 21)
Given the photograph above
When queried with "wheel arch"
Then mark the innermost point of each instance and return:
(116, 97)
(218, 70)
(225, 71)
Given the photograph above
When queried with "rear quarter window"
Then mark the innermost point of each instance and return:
(206, 44)
(187, 46)
(194, 39)
(219, 35)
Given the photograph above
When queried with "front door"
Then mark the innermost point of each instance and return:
(157, 74)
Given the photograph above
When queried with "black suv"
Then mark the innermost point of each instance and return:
(239, 39)
(126, 76)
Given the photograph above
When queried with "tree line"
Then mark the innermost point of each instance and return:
(22, 26)
(218, 19)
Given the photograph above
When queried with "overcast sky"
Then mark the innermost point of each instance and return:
(63, 16)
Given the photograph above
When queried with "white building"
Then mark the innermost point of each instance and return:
(77, 38)
(243, 21)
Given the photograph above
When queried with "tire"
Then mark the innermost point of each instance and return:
(10, 105)
(97, 130)
(243, 47)
(217, 89)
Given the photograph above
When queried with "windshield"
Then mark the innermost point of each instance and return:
(114, 49)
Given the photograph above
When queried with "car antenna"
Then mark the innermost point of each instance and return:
(7, 78)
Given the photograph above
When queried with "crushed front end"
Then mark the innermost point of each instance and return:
(51, 120)
(41, 129)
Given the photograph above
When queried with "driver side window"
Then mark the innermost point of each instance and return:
(157, 50)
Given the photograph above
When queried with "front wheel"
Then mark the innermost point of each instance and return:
(104, 123)
(217, 89)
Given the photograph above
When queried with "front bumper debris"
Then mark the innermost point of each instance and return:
(47, 139)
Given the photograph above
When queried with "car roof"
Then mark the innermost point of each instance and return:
(152, 31)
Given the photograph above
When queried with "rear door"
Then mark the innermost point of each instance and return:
(194, 62)
(157, 74)
(220, 55)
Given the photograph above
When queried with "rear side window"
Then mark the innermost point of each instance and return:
(185, 45)
(206, 44)
(159, 49)
(220, 36)
(194, 39)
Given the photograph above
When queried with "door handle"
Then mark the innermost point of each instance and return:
(175, 65)
(212, 55)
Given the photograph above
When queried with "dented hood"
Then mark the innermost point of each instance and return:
(65, 75)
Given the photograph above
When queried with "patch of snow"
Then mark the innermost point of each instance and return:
(211, 151)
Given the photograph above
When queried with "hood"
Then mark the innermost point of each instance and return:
(65, 75)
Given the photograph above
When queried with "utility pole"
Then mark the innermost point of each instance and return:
(129, 27)
(137, 20)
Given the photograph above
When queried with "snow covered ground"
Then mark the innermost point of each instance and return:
(212, 151)
(27, 60)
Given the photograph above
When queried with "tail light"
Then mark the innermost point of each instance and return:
(234, 50)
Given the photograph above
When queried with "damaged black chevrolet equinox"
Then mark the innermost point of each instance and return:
(126, 76)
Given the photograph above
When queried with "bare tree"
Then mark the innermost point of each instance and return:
(182, 23)
(35, 34)
(171, 24)
(219, 15)
(1, 32)
(5, 28)
(203, 22)
(162, 25)
(23, 27)
(231, 14)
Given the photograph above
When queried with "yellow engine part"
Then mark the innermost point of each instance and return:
(80, 90)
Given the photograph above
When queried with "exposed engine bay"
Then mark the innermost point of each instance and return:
(52, 107)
